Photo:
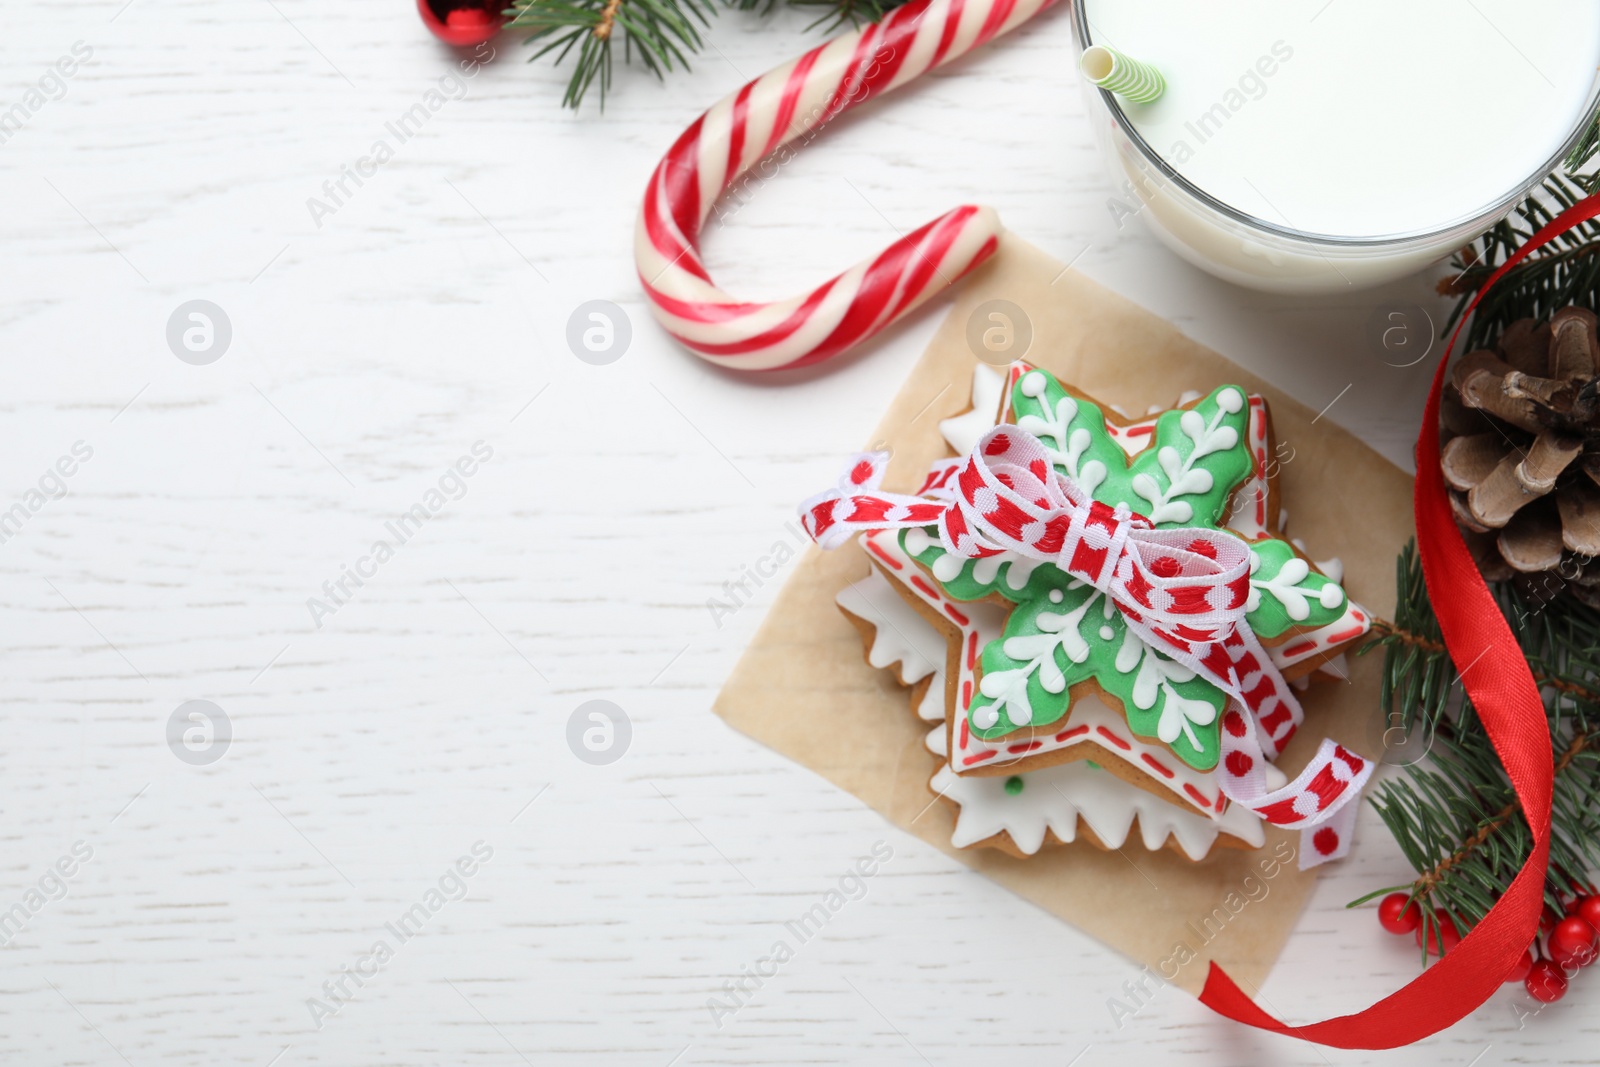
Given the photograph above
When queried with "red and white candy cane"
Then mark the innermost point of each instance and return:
(1183, 590)
(779, 107)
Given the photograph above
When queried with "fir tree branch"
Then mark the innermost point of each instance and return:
(1383, 628)
(660, 34)
(1585, 150)
(835, 15)
(1454, 814)
(1565, 272)
(1433, 876)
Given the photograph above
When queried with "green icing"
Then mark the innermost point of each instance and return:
(1063, 632)
(1075, 634)
(1285, 592)
(1198, 459)
(1013, 784)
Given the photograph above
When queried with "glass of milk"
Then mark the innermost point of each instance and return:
(1318, 146)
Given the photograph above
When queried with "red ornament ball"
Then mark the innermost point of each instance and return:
(1587, 909)
(1572, 943)
(1442, 937)
(1398, 914)
(1545, 982)
(463, 23)
(1523, 967)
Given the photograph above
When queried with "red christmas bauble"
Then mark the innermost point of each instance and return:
(1572, 943)
(1545, 982)
(1524, 965)
(1442, 937)
(1398, 914)
(463, 23)
(1587, 909)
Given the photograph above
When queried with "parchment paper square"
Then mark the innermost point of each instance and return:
(804, 680)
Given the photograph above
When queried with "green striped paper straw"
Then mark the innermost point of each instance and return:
(1116, 73)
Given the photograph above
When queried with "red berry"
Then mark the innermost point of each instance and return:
(1524, 965)
(1398, 914)
(1442, 935)
(1572, 943)
(1587, 909)
(1545, 982)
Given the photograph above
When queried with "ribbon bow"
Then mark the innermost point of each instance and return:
(1183, 590)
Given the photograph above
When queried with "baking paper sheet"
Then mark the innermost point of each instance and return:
(804, 680)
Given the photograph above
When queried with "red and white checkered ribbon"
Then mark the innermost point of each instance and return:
(1183, 590)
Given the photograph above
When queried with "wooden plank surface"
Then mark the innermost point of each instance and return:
(578, 562)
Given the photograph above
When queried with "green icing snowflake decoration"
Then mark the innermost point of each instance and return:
(1063, 632)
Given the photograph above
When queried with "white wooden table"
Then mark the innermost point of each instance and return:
(430, 710)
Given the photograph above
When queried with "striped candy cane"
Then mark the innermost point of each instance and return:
(753, 126)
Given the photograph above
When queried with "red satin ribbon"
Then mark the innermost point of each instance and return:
(1507, 700)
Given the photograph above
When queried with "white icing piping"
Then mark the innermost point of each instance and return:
(1089, 719)
(961, 432)
(902, 637)
(1054, 798)
(1352, 623)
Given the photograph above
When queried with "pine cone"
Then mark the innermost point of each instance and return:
(1521, 452)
